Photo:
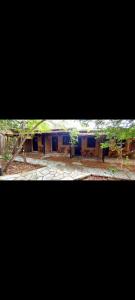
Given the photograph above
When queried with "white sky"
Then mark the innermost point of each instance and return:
(71, 123)
(76, 124)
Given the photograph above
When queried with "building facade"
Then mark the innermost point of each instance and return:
(88, 145)
(58, 141)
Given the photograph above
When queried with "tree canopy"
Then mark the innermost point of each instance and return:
(24, 126)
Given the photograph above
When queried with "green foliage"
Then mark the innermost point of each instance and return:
(115, 136)
(113, 169)
(9, 124)
(8, 152)
(120, 133)
(43, 127)
(74, 136)
(104, 145)
(23, 126)
(6, 156)
(114, 123)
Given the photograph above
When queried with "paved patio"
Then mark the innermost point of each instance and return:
(51, 170)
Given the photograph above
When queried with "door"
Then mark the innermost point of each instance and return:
(54, 143)
(35, 143)
(78, 147)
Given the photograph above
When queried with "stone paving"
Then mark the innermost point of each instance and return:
(51, 170)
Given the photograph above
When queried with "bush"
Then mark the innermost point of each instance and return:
(7, 155)
(113, 169)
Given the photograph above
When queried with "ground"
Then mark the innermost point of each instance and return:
(17, 167)
(63, 168)
(91, 163)
(99, 178)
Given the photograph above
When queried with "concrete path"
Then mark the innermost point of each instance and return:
(51, 170)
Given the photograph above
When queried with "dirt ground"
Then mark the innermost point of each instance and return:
(85, 162)
(92, 163)
(17, 167)
(36, 155)
(99, 178)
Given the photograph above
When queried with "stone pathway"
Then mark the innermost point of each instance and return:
(51, 170)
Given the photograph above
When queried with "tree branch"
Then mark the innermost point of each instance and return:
(20, 146)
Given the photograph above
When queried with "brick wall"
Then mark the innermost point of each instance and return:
(66, 148)
(40, 146)
(48, 143)
(28, 146)
(62, 148)
(86, 151)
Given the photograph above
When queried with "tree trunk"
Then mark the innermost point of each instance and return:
(20, 147)
(15, 146)
(24, 157)
(14, 155)
(121, 162)
(121, 157)
(70, 151)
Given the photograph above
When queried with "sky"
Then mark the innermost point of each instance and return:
(76, 124)
(72, 124)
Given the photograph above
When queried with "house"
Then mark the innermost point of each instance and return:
(57, 140)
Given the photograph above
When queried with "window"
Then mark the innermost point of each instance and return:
(91, 142)
(66, 140)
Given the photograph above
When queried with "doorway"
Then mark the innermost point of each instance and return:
(35, 143)
(54, 143)
(78, 147)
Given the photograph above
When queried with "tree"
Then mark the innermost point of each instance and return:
(101, 124)
(115, 134)
(73, 140)
(24, 129)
